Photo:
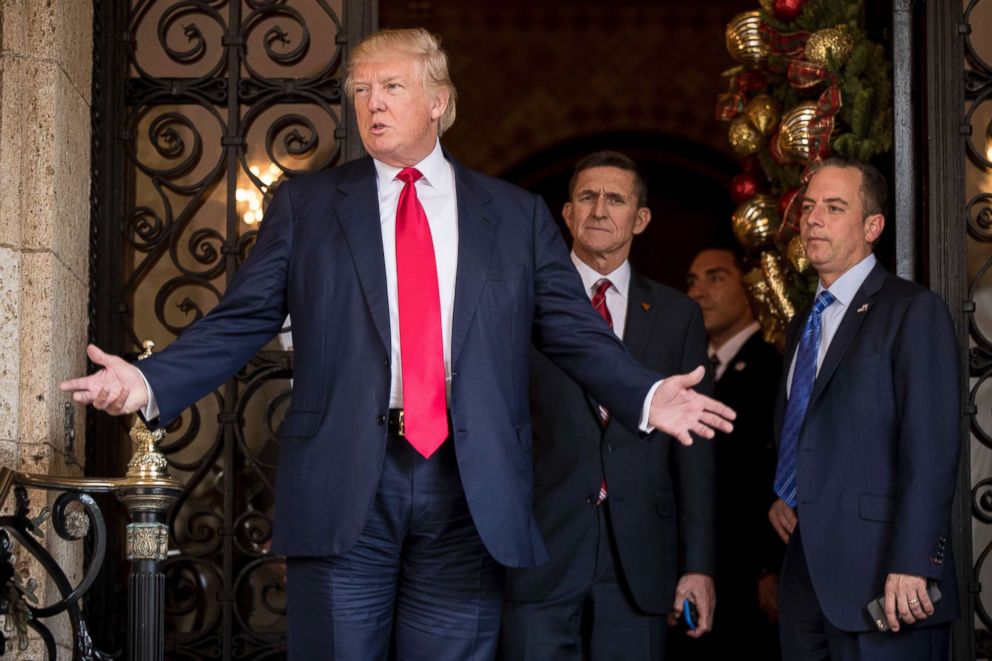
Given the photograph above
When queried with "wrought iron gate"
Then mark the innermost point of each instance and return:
(200, 108)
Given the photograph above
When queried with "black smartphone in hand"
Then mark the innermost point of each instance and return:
(876, 607)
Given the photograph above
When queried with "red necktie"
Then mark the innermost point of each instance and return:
(599, 302)
(425, 416)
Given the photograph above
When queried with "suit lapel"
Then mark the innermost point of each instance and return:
(357, 211)
(476, 235)
(848, 328)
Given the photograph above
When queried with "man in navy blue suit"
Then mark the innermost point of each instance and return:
(867, 423)
(416, 287)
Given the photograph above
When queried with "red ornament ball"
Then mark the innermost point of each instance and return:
(788, 209)
(787, 10)
(752, 81)
(743, 186)
(785, 201)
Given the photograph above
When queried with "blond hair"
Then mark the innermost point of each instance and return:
(415, 42)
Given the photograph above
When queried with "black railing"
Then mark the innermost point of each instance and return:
(149, 494)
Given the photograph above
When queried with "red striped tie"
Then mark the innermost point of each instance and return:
(599, 302)
(424, 410)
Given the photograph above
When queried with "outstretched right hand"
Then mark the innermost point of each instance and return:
(118, 388)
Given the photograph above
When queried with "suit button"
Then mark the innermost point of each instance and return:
(381, 419)
(607, 447)
(591, 499)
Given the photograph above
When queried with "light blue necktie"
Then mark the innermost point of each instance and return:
(803, 377)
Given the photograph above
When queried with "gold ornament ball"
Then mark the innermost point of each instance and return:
(744, 40)
(744, 138)
(755, 221)
(822, 44)
(797, 254)
(762, 111)
(771, 267)
(794, 139)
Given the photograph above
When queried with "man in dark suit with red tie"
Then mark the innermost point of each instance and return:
(867, 425)
(628, 520)
(415, 287)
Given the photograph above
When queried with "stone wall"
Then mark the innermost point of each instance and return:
(45, 62)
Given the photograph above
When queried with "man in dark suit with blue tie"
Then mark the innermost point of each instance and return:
(867, 423)
(628, 521)
(415, 287)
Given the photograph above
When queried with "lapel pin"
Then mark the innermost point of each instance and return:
(739, 366)
(645, 305)
(864, 308)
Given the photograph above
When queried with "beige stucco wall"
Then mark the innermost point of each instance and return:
(45, 63)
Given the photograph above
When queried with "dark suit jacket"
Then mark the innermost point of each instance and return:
(659, 490)
(745, 460)
(878, 450)
(319, 257)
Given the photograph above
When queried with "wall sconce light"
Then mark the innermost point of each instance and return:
(988, 142)
(249, 200)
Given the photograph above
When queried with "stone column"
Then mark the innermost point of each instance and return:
(45, 66)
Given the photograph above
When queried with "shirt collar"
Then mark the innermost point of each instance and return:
(434, 168)
(847, 285)
(619, 277)
(730, 348)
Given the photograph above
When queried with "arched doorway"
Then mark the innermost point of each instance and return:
(687, 193)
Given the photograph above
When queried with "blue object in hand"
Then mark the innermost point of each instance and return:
(690, 614)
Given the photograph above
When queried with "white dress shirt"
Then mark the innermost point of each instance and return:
(436, 192)
(844, 288)
(616, 296)
(725, 354)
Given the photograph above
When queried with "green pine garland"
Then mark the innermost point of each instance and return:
(863, 126)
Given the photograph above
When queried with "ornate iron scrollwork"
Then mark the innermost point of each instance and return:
(222, 100)
(17, 601)
(978, 215)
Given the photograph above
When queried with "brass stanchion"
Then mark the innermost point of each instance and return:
(148, 492)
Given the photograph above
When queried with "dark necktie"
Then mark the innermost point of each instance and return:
(803, 377)
(599, 302)
(714, 365)
(425, 416)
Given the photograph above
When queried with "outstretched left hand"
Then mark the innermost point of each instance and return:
(680, 411)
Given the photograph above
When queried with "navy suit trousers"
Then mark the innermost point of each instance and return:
(418, 576)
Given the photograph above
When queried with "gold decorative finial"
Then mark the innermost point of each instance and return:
(148, 345)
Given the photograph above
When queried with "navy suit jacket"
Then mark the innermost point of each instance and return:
(661, 493)
(319, 257)
(878, 450)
